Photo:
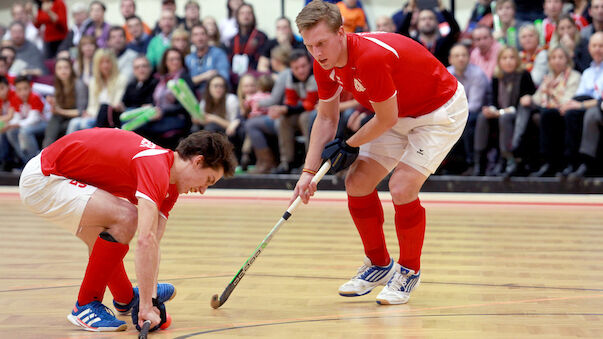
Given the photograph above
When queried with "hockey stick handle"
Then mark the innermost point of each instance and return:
(317, 177)
(144, 331)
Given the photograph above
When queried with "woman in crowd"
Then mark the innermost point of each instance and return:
(510, 83)
(567, 35)
(533, 56)
(181, 41)
(228, 25)
(213, 32)
(85, 54)
(104, 94)
(98, 28)
(69, 101)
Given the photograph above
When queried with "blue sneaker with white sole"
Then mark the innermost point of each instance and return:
(95, 317)
(368, 277)
(165, 292)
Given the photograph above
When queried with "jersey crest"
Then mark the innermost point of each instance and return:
(147, 144)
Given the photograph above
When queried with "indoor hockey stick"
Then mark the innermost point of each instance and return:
(217, 301)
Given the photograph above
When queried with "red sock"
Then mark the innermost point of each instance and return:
(103, 261)
(120, 285)
(367, 214)
(410, 227)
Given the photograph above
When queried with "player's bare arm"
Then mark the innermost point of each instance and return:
(147, 259)
(323, 131)
(386, 116)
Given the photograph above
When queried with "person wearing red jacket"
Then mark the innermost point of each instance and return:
(52, 14)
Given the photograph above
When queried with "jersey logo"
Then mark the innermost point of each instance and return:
(148, 144)
(358, 85)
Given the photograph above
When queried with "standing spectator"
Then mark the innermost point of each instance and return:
(181, 40)
(207, 61)
(385, 24)
(140, 40)
(85, 56)
(79, 13)
(172, 121)
(246, 46)
(486, 50)
(52, 14)
(301, 97)
(213, 32)
(533, 57)
(557, 88)
(97, 27)
(104, 93)
(192, 14)
(139, 91)
(128, 9)
(125, 56)
(509, 85)
(22, 13)
(161, 42)
(576, 111)
(476, 86)
(28, 122)
(508, 32)
(69, 101)
(284, 37)
(353, 16)
(228, 26)
(596, 13)
(429, 34)
(168, 6)
(33, 60)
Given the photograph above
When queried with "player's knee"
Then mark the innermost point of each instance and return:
(403, 191)
(127, 223)
(357, 183)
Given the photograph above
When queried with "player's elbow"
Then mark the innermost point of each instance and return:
(146, 240)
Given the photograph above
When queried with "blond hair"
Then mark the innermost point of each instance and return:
(498, 73)
(99, 81)
(317, 11)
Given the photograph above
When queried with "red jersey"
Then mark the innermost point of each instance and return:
(383, 64)
(119, 162)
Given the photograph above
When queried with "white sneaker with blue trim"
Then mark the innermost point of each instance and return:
(398, 288)
(368, 277)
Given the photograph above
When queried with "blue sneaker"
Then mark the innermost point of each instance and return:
(165, 292)
(398, 288)
(95, 317)
(368, 277)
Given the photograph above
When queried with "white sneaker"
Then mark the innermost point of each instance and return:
(368, 277)
(398, 288)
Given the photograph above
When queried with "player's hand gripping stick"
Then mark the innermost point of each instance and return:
(217, 301)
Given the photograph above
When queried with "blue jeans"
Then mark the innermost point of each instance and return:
(24, 140)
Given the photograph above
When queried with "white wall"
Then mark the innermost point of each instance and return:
(266, 10)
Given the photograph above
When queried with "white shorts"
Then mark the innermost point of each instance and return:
(56, 198)
(421, 142)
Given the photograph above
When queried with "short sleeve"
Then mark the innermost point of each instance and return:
(36, 103)
(170, 200)
(152, 173)
(327, 87)
(376, 78)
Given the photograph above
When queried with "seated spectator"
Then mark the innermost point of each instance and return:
(213, 32)
(32, 59)
(509, 85)
(279, 60)
(587, 97)
(125, 56)
(228, 26)
(104, 94)
(79, 13)
(506, 30)
(476, 86)
(97, 27)
(139, 91)
(168, 6)
(69, 101)
(533, 56)
(429, 33)
(579, 12)
(85, 57)
(385, 24)
(568, 36)
(29, 121)
(23, 13)
(596, 13)
(353, 16)
(552, 10)
(172, 121)
(7, 95)
(128, 10)
(181, 41)
(4, 67)
(52, 14)
(485, 53)
(161, 41)
(557, 88)
(192, 14)
(481, 14)
(284, 37)
(221, 108)
(246, 46)
(207, 61)
(140, 39)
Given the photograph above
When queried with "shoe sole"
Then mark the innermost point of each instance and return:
(351, 294)
(387, 302)
(75, 320)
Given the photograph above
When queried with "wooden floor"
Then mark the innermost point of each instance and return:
(494, 266)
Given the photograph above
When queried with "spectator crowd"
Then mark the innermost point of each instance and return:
(532, 71)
